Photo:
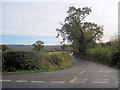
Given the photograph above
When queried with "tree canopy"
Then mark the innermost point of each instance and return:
(64, 46)
(5, 47)
(38, 46)
(75, 30)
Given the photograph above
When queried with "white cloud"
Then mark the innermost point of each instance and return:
(44, 17)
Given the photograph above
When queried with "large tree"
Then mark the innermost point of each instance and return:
(80, 33)
(38, 46)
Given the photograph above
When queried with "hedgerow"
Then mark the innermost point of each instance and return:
(17, 60)
(108, 55)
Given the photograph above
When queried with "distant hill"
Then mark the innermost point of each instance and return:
(20, 46)
(30, 47)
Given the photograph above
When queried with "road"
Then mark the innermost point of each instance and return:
(83, 74)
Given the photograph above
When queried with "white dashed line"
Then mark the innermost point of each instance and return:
(58, 81)
(79, 81)
(21, 80)
(37, 81)
(5, 80)
(108, 71)
(101, 81)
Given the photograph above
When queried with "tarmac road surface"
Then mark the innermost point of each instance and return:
(83, 74)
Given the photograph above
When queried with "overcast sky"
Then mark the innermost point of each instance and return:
(26, 22)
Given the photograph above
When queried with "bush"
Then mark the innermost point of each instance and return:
(20, 60)
(17, 60)
(108, 55)
(100, 53)
(114, 59)
(55, 59)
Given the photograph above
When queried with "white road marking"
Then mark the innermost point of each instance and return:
(21, 80)
(107, 71)
(58, 81)
(81, 72)
(5, 80)
(101, 81)
(79, 81)
(73, 79)
(37, 81)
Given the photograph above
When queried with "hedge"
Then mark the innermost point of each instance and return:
(17, 60)
(20, 60)
(105, 55)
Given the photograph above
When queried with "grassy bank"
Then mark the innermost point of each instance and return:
(28, 61)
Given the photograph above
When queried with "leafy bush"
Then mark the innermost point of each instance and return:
(55, 59)
(100, 53)
(20, 60)
(108, 55)
(17, 60)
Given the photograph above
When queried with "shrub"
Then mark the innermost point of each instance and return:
(17, 60)
(20, 60)
(109, 55)
(55, 59)
(100, 53)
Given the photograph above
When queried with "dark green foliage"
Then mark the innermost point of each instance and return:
(108, 55)
(79, 33)
(38, 46)
(115, 58)
(18, 60)
(5, 47)
(66, 47)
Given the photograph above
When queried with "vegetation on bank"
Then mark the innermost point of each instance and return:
(31, 61)
(109, 55)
